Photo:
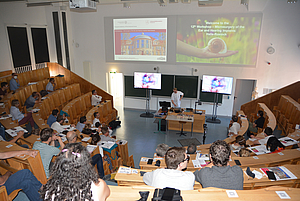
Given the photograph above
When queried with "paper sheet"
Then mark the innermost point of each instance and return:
(85, 139)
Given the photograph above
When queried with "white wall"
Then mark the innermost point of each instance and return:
(280, 26)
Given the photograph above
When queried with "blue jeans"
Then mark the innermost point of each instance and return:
(26, 181)
(97, 159)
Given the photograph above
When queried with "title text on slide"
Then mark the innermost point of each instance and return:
(217, 28)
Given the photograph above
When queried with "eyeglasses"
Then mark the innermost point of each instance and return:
(187, 159)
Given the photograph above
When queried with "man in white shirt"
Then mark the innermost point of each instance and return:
(235, 127)
(96, 118)
(58, 124)
(173, 177)
(95, 98)
(176, 97)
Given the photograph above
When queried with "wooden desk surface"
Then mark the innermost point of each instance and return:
(6, 146)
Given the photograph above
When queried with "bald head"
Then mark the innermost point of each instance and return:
(71, 137)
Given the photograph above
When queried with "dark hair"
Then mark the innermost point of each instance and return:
(104, 130)
(220, 153)
(54, 112)
(35, 131)
(273, 143)
(51, 79)
(15, 102)
(82, 119)
(268, 131)
(34, 94)
(240, 140)
(260, 113)
(93, 91)
(95, 139)
(191, 149)
(3, 84)
(46, 133)
(174, 157)
(161, 149)
(234, 118)
(71, 175)
(14, 74)
(244, 152)
(97, 124)
(95, 114)
(59, 118)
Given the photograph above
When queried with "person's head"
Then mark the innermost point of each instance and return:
(73, 164)
(161, 149)
(260, 113)
(55, 112)
(175, 90)
(244, 152)
(95, 139)
(219, 153)
(4, 85)
(104, 130)
(52, 80)
(35, 131)
(96, 115)
(15, 103)
(191, 149)
(35, 94)
(234, 118)
(176, 158)
(87, 126)
(97, 124)
(46, 134)
(268, 131)
(273, 144)
(60, 119)
(240, 140)
(71, 137)
(94, 92)
(14, 75)
(82, 120)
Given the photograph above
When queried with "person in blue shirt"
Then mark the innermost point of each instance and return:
(52, 117)
(17, 115)
(51, 85)
(80, 125)
(14, 83)
(33, 99)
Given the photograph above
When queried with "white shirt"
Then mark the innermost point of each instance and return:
(56, 126)
(49, 87)
(265, 140)
(176, 98)
(96, 100)
(161, 178)
(95, 121)
(235, 128)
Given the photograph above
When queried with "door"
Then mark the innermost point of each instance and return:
(243, 92)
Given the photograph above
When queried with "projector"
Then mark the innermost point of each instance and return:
(83, 4)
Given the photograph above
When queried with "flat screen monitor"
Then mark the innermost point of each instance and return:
(147, 80)
(217, 84)
(164, 104)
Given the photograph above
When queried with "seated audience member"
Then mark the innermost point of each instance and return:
(219, 173)
(17, 115)
(23, 179)
(88, 129)
(96, 100)
(268, 132)
(96, 118)
(47, 148)
(191, 149)
(3, 89)
(71, 166)
(274, 145)
(173, 177)
(14, 83)
(244, 152)
(240, 142)
(52, 117)
(32, 100)
(99, 126)
(105, 135)
(51, 85)
(235, 127)
(14, 139)
(96, 159)
(258, 123)
(58, 124)
(162, 149)
(80, 125)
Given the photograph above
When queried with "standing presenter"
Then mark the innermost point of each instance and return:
(176, 97)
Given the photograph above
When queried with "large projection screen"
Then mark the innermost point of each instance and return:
(140, 39)
(218, 39)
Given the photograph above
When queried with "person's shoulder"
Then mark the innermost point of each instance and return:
(236, 168)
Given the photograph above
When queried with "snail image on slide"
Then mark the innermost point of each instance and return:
(216, 47)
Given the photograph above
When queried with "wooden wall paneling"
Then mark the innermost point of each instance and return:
(46, 72)
(39, 74)
(56, 100)
(77, 89)
(45, 82)
(61, 98)
(4, 73)
(68, 94)
(47, 107)
(73, 93)
(4, 79)
(33, 76)
(22, 97)
(74, 114)
(27, 77)
(27, 91)
(87, 100)
(51, 102)
(82, 105)
(39, 86)
(33, 88)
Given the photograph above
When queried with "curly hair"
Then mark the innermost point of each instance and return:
(220, 153)
(71, 175)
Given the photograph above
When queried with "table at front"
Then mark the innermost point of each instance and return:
(174, 118)
(199, 120)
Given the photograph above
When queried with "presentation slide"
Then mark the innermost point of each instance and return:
(217, 84)
(140, 39)
(147, 80)
(218, 39)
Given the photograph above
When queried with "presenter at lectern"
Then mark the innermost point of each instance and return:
(176, 98)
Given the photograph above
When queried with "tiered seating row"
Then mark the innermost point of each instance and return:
(106, 111)
(287, 114)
